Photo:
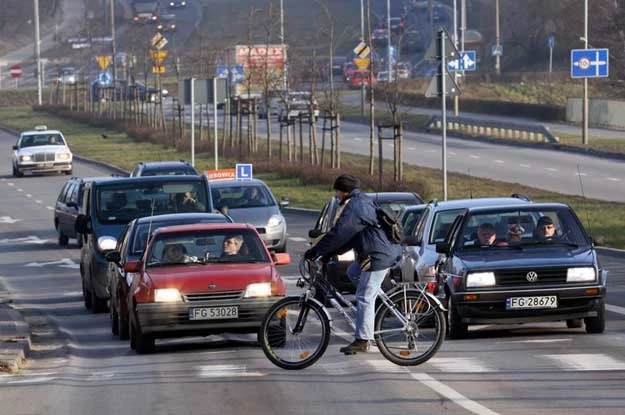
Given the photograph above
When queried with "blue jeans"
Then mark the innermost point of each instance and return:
(367, 285)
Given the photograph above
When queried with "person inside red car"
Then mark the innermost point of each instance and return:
(232, 245)
(176, 253)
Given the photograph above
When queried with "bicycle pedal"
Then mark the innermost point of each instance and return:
(349, 353)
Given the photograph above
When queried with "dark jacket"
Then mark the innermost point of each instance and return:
(357, 228)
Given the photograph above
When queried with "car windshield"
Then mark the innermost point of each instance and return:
(121, 202)
(172, 171)
(242, 196)
(44, 139)
(523, 228)
(235, 246)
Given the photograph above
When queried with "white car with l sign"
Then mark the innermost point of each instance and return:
(40, 151)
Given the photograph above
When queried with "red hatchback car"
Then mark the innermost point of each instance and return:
(202, 279)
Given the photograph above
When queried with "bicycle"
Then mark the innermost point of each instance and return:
(410, 323)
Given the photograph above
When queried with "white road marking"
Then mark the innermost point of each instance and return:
(615, 309)
(383, 365)
(452, 153)
(585, 361)
(581, 174)
(460, 365)
(613, 179)
(499, 161)
(49, 208)
(452, 395)
(29, 195)
(11, 184)
(525, 165)
(38, 201)
(297, 239)
(536, 341)
(32, 380)
(550, 169)
(411, 148)
(218, 371)
(357, 139)
(473, 156)
(20, 190)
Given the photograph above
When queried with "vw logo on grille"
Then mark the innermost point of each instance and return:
(212, 286)
(531, 276)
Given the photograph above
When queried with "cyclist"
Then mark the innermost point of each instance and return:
(357, 228)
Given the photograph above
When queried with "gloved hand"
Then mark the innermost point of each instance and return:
(310, 255)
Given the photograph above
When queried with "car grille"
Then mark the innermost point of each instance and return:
(507, 277)
(227, 295)
(43, 156)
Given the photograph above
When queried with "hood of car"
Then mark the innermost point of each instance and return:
(257, 216)
(494, 258)
(202, 278)
(43, 149)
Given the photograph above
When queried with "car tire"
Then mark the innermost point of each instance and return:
(68, 172)
(596, 325)
(14, 172)
(456, 329)
(281, 249)
(63, 239)
(122, 327)
(114, 320)
(79, 241)
(98, 305)
(86, 295)
(144, 343)
(574, 323)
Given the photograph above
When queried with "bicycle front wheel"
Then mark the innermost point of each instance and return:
(294, 333)
(413, 331)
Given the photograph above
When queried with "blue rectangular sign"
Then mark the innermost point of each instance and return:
(243, 172)
(466, 62)
(589, 63)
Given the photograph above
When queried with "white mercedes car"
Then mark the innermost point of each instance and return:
(41, 150)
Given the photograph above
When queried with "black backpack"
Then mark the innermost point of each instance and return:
(390, 224)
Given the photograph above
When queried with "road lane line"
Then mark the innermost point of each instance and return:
(613, 179)
(585, 362)
(499, 161)
(451, 394)
(615, 309)
(527, 166)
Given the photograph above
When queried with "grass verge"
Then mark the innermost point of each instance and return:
(604, 219)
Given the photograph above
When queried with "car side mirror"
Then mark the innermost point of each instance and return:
(15, 148)
(132, 266)
(411, 240)
(281, 258)
(314, 233)
(443, 248)
(113, 256)
(284, 202)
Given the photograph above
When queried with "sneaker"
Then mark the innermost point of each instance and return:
(356, 346)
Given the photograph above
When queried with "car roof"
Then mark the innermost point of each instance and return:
(530, 206)
(477, 202)
(168, 163)
(184, 216)
(125, 179)
(398, 196)
(203, 226)
(29, 132)
(229, 183)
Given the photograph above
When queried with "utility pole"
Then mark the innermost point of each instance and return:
(362, 39)
(284, 69)
(585, 101)
(456, 103)
(38, 52)
(497, 41)
(113, 43)
(388, 33)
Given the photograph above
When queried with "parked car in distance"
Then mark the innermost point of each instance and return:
(67, 208)
(301, 103)
(177, 4)
(163, 168)
(338, 62)
(349, 70)
(202, 291)
(419, 257)
(251, 201)
(130, 247)
(166, 23)
(379, 37)
(67, 76)
(41, 151)
(521, 263)
(109, 203)
(383, 77)
(397, 25)
(361, 78)
(335, 270)
(403, 70)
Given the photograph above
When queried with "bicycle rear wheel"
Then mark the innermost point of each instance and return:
(294, 334)
(417, 335)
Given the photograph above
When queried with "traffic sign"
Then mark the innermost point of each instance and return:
(103, 61)
(158, 69)
(466, 62)
(105, 78)
(159, 41)
(158, 56)
(362, 50)
(221, 71)
(244, 171)
(362, 63)
(551, 41)
(589, 63)
(15, 71)
(496, 50)
(237, 74)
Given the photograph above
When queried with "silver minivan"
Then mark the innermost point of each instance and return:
(251, 201)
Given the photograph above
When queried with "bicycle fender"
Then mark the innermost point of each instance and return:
(435, 300)
(325, 310)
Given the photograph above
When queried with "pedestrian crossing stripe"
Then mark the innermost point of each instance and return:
(586, 362)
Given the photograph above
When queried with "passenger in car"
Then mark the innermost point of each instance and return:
(232, 246)
(515, 233)
(545, 229)
(487, 236)
(175, 254)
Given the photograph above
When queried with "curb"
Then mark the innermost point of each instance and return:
(15, 337)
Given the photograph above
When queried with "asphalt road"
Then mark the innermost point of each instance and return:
(77, 366)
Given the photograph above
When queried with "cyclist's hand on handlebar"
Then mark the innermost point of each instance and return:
(309, 255)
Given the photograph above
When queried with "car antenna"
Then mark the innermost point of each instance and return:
(581, 186)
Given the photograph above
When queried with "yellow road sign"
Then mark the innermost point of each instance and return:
(159, 41)
(103, 61)
(158, 69)
(158, 56)
(361, 63)
(362, 50)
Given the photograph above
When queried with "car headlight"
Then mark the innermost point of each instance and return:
(63, 156)
(259, 289)
(26, 157)
(274, 221)
(580, 274)
(167, 295)
(480, 279)
(347, 256)
(106, 243)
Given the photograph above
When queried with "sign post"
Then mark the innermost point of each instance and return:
(551, 42)
(15, 71)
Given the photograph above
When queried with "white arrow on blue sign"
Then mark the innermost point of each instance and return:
(589, 63)
(236, 74)
(105, 78)
(466, 62)
(221, 71)
(243, 172)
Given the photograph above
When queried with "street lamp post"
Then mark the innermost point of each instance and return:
(585, 100)
(38, 51)
(362, 39)
(113, 43)
(498, 55)
(388, 34)
(284, 74)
